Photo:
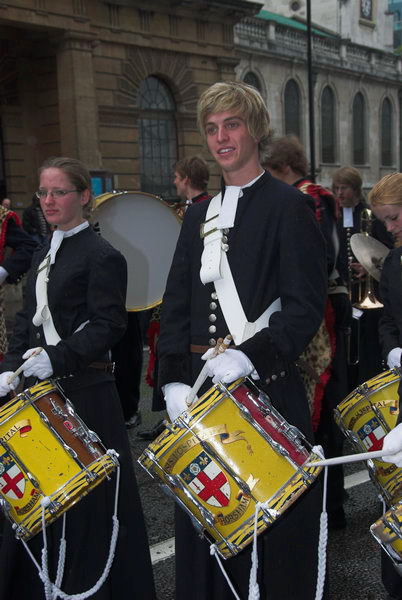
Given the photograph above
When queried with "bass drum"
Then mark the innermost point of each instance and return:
(145, 229)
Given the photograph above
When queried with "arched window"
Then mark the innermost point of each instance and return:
(359, 130)
(292, 108)
(251, 79)
(157, 137)
(328, 137)
(386, 133)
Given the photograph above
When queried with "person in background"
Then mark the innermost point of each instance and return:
(261, 223)
(385, 200)
(34, 222)
(85, 286)
(16, 250)
(364, 354)
(326, 354)
(127, 355)
(6, 202)
(191, 177)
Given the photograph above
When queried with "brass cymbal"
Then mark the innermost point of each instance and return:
(369, 252)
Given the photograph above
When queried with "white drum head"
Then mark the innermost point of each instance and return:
(145, 230)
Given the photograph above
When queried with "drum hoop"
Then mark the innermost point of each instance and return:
(341, 407)
(106, 196)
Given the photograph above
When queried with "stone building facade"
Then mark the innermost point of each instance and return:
(113, 83)
(356, 81)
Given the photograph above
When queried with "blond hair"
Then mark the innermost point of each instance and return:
(387, 191)
(245, 100)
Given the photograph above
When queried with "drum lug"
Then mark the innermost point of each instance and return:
(307, 477)
(362, 389)
(93, 436)
(53, 507)
(379, 416)
(20, 531)
(269, 515)
(32, 479)
(92, 449)
(70, 451)
(90, 475)
(44, 417)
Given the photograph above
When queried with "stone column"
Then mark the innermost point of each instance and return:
(78, 111)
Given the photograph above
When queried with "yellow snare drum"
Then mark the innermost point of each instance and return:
(365, 417)
(388, 532)
(46, 451)
(230, 451)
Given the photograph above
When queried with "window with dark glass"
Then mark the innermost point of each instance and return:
(292, 108)
(359, 130)
(327, 126)
(157, 137)
(251, 79)
(386, 133)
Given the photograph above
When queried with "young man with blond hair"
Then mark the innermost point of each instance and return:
(259, 226)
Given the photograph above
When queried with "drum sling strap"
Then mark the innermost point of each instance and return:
(43, 316)
(215, 267)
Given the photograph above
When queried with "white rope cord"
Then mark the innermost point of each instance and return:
(62, 556)
(46, 581)
(52, 590)
(323, 537)
(214, 552)
(254, 589)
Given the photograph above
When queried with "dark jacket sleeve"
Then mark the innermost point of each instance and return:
(302, 286)
(23, 247)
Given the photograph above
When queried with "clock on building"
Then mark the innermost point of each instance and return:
(366, 9)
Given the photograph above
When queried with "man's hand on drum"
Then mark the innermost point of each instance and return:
(394, 358)
(37, 363)
(175, 397)
(5, 386)
(392, 446)
(229, 366)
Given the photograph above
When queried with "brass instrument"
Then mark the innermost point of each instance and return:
(361, 293)
(366, 296)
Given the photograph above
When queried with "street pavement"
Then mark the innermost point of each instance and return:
(353, 554)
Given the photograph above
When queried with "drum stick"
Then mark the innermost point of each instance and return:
(21, 368)
(338, 460)
(221, 346)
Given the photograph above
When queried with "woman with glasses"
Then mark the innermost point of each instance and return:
(86, 289)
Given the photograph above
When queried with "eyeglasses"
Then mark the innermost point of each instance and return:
(41, 194)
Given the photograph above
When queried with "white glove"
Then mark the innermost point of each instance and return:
(175, 397)
(228, 366)
(38, 366)
(394, 358)
(6, 387)
(392, 446)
